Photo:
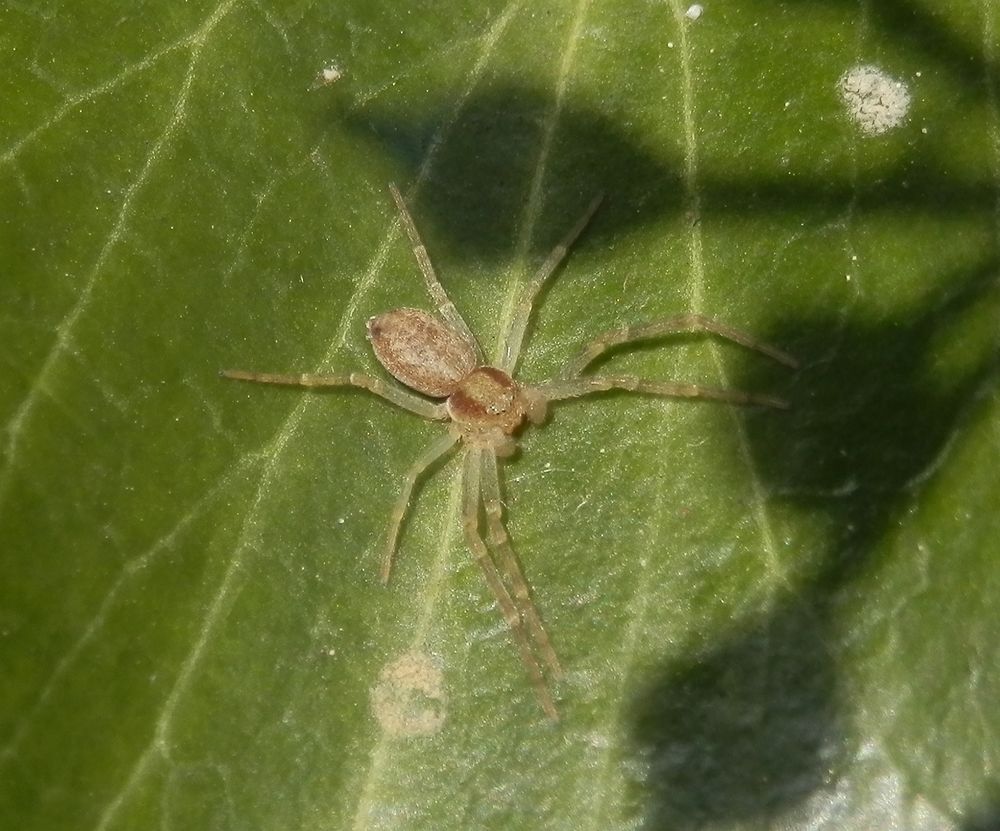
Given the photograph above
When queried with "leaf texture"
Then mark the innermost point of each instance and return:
(769, 619)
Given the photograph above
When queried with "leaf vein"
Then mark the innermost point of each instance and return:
(692, 187)
(64, 330)
(132, 567)
(533, 208)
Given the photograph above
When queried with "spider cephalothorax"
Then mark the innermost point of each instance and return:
(485, 405)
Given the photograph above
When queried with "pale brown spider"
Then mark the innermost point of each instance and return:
(485, 407)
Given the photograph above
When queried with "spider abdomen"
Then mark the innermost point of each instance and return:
(421, 350)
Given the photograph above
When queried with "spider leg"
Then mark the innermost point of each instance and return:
(499, 540)
(522, 314)
(470, 524)
(670, 325)
(424, 461)
(394, 395)
(560, 389)
(434, 287)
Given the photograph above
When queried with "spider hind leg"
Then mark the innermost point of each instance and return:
(499, 541)
(470, 523)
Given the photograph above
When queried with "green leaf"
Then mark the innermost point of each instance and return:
(768, 618)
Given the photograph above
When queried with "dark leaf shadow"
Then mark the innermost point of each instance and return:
(986, 815)
(748, 729)
(913, 27)
(743, 731)
(481, 178)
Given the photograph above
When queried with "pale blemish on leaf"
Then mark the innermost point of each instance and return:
(327, 76)
(874, 100)
(410, 699)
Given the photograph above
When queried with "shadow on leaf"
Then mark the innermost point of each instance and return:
(750, 727)
(480, 181)
(928, 36)
(481, 178)
(744, 730)
(985, 816)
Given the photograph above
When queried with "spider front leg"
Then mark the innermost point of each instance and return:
(470, 524)
(499, 540)
(434, 287)
(394, 395)
(670, 325)
(560, 389)
(511, 348)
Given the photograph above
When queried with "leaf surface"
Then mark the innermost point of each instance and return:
(769, 619)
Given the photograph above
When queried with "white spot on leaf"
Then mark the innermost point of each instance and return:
(875, 101)
(694, 11)
(327, 75)
(409, 699)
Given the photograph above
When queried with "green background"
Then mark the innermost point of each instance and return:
(769, 619)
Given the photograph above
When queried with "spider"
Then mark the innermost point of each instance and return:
(484, 407)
